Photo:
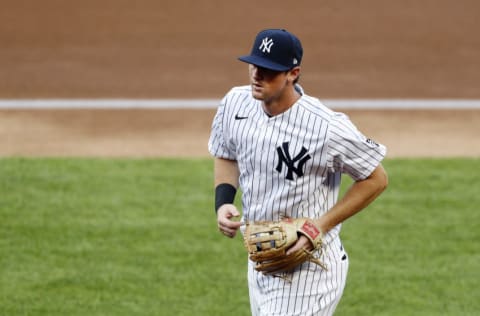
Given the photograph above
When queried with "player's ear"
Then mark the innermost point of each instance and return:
(294, 74)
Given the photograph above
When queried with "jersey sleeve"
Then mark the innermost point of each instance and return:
(217, 144)
(349, 151)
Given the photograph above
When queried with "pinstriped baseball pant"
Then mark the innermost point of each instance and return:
(310, 290)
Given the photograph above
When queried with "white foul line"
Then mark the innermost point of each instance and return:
(213, 103)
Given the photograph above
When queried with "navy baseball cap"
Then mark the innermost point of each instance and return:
(275, 49)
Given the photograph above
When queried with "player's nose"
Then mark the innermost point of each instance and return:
(255, 73)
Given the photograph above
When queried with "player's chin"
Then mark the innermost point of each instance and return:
(258, 95)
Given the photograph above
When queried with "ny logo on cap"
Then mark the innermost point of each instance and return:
(266, 45)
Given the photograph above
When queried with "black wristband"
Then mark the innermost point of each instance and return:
(224, 194)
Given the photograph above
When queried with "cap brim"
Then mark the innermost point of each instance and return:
(262, 62)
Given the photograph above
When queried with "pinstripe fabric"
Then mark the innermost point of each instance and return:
(291, 165)
(311, 290)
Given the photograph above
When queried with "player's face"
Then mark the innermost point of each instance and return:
(267, 84)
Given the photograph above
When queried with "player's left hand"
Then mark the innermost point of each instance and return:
(278, 247)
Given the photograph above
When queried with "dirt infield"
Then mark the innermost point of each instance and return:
(184, 133)
(188, 49)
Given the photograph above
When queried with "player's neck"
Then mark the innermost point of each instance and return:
(282, 103)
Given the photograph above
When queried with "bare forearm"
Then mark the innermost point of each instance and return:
(226, 175)
(359, 196)
(226, 171)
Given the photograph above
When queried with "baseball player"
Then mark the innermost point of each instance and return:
(286, 151)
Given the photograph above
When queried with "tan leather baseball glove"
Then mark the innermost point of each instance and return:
(267, 244)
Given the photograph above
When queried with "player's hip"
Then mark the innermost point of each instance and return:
(308, 290)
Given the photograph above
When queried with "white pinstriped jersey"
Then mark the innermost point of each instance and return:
(290, 164)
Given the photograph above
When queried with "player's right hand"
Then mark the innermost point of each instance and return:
(225, 220)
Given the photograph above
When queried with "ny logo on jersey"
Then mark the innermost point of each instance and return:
(284, 158)
(266, 45)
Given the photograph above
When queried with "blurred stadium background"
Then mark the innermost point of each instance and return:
(116, 49)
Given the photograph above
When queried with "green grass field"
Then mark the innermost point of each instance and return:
(138, 237)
